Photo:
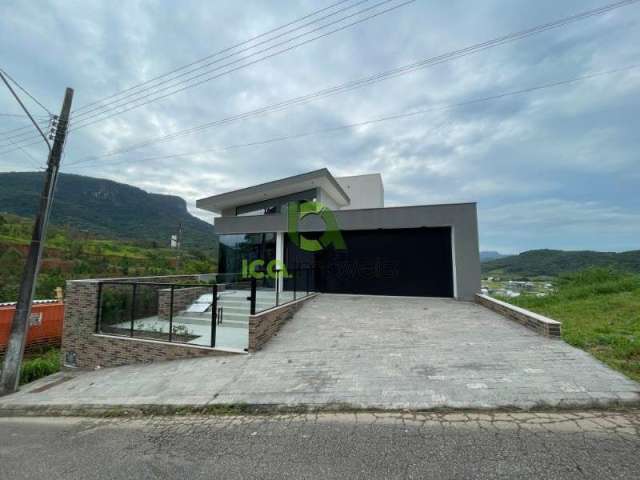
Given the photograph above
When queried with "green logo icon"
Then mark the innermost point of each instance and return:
(255, 269)
(331, 235)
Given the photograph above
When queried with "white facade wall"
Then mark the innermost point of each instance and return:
(326, 200)
(365, 191)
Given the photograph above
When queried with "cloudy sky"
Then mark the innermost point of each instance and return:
(553, 168)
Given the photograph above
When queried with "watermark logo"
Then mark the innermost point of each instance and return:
(255, 269)
(331, 236)
(295, 213)
(368, 269)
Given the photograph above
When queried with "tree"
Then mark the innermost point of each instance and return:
(125, 265)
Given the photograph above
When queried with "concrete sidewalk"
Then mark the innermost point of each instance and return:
(361, 352)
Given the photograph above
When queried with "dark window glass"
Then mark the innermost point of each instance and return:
(275, 205)
(251, 246)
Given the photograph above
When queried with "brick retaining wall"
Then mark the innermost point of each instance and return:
(83, 348)
(539, 323)
(264, 325)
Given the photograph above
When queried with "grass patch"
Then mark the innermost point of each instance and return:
(38, 366)
(600, 313)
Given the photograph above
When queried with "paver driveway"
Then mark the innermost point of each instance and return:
(376, 352)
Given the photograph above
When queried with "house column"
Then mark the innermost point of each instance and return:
(280, 257)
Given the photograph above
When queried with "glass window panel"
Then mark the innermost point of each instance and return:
(251, 246)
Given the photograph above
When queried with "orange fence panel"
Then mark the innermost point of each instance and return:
(45, 329)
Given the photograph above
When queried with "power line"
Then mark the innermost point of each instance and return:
(352, 85)
(103, 105)
(42, 120)
(41, 123)
(387, 118)
(34, 162)
(219, 52)
(127, 106)
(390, 73)
(254, 61)
(3, 77)
(19, 115)
(108, 108)
(26, 92)
(26, 135)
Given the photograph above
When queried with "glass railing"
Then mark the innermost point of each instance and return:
(270, 292)
(204, 314)
(210, 315)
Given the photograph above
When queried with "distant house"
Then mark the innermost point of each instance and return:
(422, 250)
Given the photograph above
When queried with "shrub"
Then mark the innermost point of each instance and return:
(40, 366)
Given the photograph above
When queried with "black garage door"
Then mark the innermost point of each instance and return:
(412, 262)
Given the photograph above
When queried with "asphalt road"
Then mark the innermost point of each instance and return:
(367, 446)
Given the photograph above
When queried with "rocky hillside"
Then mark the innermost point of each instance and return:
(107, 209)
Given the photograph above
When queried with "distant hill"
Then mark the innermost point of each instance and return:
(490, 255)
(554, 262)
(69, 254)
(107, 209)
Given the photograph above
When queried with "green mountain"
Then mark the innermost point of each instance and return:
(488, 255)
(534, 263)
(107, 209)
(70, 254)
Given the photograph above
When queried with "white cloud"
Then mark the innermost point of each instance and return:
(568, 145)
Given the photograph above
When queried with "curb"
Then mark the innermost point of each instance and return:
(106, 411)
(545, 326)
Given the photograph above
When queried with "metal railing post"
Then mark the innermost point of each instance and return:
(171, 314)
(295, 282)
(214, 313)
(133, 307)
(99, 309)
(307, 271)
(252, 298)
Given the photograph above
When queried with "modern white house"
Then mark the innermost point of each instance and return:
(424, 250)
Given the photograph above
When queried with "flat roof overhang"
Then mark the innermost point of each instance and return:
(357, 219)
(316, 179)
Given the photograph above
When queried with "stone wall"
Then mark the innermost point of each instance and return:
(264, 325)
(83, 348)
(539, 323)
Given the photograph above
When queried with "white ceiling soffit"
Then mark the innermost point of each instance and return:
(316, 179)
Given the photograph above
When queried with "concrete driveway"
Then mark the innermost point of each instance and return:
(371, 352)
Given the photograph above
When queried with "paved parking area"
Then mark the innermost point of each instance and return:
(371, 352)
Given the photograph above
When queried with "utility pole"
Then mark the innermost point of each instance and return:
(15, 349)
(179, 246)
